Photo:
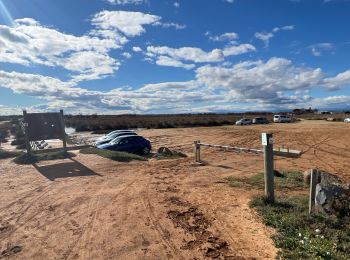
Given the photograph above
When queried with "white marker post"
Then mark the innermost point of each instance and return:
(267, 142)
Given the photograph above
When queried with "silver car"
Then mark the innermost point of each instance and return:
(244, 121)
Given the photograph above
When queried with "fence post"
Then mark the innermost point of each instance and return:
(313, 183)
(197, 148)
(25, 128)
(64, 137)
(267, 142)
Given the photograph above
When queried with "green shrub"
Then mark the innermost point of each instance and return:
(300, 236)
(34, 158)
(113, 155)
(9, 154)
(290, 180)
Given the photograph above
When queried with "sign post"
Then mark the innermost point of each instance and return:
(25, 128)
(267, 142)
(64, 137)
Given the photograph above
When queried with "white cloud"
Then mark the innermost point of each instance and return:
(127, 55)
(230, 1)
(319, 48)
(249, 85)
(267, 36)
(136, 49)
(177, 4)
(170, 62)
(87, 57)
(166, 56)
(28, 42)
(238, 49)
(171, 25)
(124, 2)
(129, 23)
(264, 36)
(229, 36)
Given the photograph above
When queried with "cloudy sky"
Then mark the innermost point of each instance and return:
(173, 56)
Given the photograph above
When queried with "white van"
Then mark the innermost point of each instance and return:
(282, 119)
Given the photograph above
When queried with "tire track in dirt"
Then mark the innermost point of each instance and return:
(93, 212)
(163, 233)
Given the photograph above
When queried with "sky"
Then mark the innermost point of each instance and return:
(173, 56)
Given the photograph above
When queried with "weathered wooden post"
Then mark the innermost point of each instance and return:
(313, 183)
(197, 149)
(25, 129)
(64, 137)
(267, 142)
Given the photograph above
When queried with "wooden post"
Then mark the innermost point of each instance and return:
(267, 141)
(313, 183)
(64, 138)
(197, 150)
(25, 128)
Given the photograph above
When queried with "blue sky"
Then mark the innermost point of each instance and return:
(173, 56)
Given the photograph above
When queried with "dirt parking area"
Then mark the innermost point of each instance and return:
(89, 207)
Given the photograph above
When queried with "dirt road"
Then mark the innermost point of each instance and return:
(93, 208)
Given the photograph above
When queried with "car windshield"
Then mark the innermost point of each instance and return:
(116, 140)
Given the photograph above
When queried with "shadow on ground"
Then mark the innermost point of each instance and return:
(69, 169)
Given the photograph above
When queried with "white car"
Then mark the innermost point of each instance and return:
(244, 121)
(282, 119)
(347, 120)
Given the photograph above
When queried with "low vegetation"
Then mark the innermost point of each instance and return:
(103, 123)
(115, 156)
(289, 180)
(9, 154)
(25, 158)
(300, 236)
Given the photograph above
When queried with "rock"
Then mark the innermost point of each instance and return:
(332, 196)
(278, 174)
(307, 177)
(165, 151)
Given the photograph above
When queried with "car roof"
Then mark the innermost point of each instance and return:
(128, 137)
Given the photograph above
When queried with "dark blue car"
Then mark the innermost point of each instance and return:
(129, 144)
(113, 136)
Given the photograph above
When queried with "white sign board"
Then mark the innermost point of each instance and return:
(264, 139)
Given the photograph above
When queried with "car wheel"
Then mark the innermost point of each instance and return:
(145, 150)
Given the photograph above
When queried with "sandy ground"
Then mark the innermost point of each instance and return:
(93, 208)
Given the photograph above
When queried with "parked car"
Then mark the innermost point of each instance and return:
(107, 136)
(244, 121)
(282, 119)
(113, 136)
(128, 143)
(260, 120)
(347, 120)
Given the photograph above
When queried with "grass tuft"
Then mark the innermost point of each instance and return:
(300, 236)
(291, 180)
(9, 154)
(113, 155)
(34, 158)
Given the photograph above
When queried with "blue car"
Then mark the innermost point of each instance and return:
(113, 136)
(130, 144)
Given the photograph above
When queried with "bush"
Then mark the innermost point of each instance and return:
(300, 236)
(34, 158)
(290, 180)
(8, 154)
(115, 156)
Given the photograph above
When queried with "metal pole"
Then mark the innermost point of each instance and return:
(25, 128)
(267, 140)
(199, 151)
(313, 183)
(64, 140)
(195, 151)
